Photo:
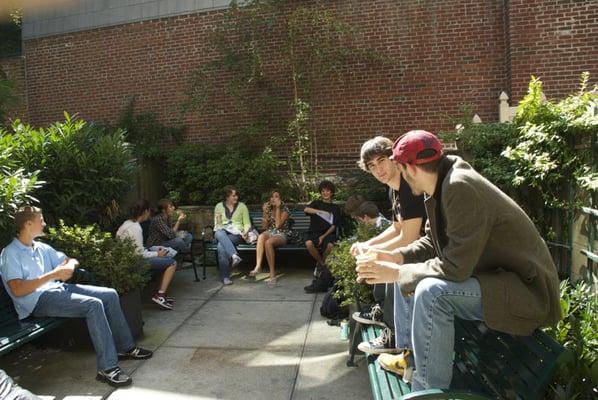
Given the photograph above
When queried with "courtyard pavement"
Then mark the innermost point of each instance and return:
(244, 341)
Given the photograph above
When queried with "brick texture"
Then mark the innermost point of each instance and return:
(444, 54)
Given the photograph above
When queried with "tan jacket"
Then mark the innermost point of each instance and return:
(474, 229)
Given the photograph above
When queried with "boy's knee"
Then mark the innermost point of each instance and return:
(429, 288)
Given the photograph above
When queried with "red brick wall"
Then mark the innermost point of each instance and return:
(445, 54)
(555, 40)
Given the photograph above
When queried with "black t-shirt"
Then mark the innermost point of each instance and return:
(316, 223)
(407, 206)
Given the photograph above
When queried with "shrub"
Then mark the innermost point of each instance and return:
(578, 332)
(113, 262)
(88, 169)
(342, 266)
(196, 174)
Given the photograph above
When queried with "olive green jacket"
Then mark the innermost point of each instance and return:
(474, 229)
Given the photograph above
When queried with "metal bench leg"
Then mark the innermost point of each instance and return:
(355, 340)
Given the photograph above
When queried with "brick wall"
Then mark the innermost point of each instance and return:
(555, 40)
(445, 54)
(14, 68)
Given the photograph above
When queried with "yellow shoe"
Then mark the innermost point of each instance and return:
(400, 364)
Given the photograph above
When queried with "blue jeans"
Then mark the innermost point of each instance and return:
(100, 307)
(403, 311)
(180, 244)
(436, 304)
(226, 249)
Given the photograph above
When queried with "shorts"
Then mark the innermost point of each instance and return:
(159, 264)
(315, 237)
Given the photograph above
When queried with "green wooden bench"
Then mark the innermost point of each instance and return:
(15, 332)
(487, 365)
(300, 223)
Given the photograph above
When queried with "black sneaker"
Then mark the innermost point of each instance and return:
(136, 353)
(385, 343)
(114, 377)
(373, 316)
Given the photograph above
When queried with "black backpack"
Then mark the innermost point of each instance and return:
(331, 308)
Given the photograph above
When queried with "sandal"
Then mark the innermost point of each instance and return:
(254, 272)
(271, 282)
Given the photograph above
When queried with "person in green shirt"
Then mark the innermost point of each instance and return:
(231, 226)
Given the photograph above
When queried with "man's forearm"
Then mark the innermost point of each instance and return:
(22, 287)
(388, 234)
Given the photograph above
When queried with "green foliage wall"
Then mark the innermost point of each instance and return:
(87, 169)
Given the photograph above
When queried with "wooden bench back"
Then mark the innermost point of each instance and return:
(299, 223)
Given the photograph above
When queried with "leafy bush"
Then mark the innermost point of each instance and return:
(113, 262)
(342, 266)
(196, 174)
(578, 332)
(88, 169)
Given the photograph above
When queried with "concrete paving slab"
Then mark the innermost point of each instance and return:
(245, 325)
(189, 373)
(323, 373)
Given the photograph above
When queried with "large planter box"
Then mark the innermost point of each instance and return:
(131, 306)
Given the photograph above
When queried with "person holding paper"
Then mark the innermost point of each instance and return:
(324, 219)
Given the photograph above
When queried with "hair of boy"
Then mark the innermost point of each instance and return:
(228, 190)
(163, 205)
(353, 203)
(25, 214)
(326, 184)
(367, 208)
(137, 209)
(379, 146)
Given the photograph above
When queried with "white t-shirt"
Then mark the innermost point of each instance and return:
(132, 229)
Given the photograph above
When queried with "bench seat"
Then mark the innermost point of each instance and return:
(487, 365)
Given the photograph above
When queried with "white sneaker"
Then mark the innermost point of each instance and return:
(236, 260)
(382, 344)
(227, 281)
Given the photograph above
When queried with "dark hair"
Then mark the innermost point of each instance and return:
(138, 208)
(163, 204)
(353, 203)
(379, 146)
(325, 184)
(228, 190)
(366, 208)
(25, 214)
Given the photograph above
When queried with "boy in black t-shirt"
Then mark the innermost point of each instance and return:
(409, 216)
(324, 218)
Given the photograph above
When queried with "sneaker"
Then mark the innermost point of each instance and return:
(236, 260)
(167, 297)
(382, 344)
(227, 281)
(114, 377)
(136, 353)
(160, 300)
(373, 316)
(315, 288)
(400, 364)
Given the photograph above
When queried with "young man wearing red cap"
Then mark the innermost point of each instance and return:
(481, 259)
(409, 216)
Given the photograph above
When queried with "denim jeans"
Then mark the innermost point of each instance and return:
(100, 307)
(436, 304)
(226, 249)
(182, 244)
(403, 310)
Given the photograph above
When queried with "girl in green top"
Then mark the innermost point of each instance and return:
(231, 225)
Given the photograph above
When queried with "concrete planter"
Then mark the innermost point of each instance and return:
(131, 306)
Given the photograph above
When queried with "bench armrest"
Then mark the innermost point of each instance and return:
(439, 394)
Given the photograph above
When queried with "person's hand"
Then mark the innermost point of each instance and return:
(373, 272)
(385, 255)
(162, 252)
(65, 271)
(320, 240)
(245, 236)
(182, 216)
(358, 248)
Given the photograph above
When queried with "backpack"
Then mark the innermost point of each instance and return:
(331, 308)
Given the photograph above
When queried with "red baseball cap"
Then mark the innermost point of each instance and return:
(406, 148)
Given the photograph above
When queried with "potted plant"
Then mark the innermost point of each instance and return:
(110, 262)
